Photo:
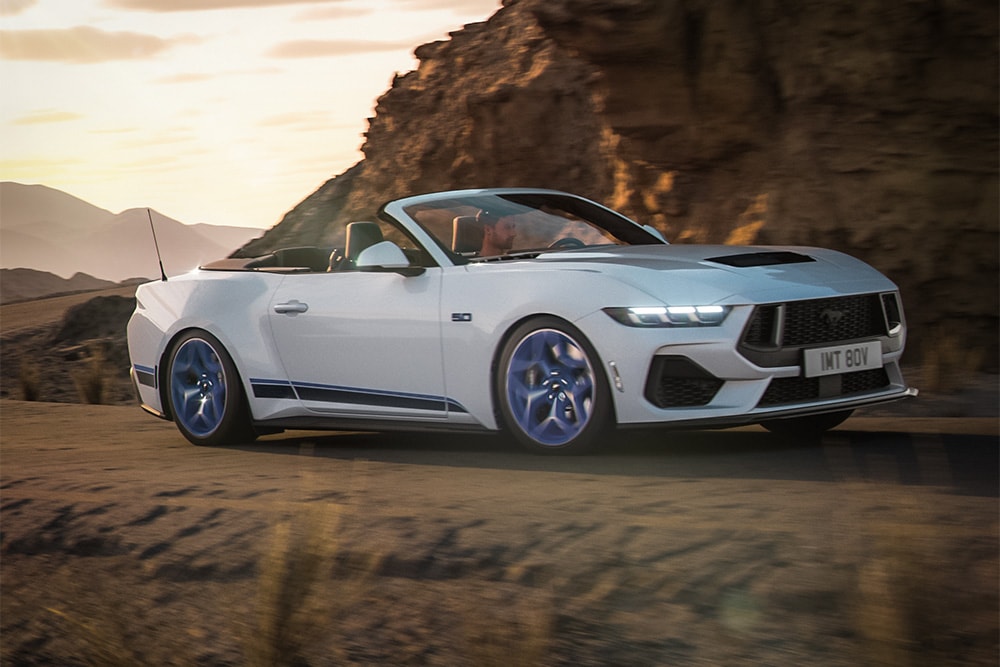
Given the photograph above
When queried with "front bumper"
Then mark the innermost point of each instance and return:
(757, 416)
(750, 369)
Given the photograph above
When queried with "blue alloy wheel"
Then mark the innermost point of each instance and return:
(198, 387)
(206, 398)
(553, 396)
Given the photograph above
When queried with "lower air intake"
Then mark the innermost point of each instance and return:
(785, 391)
(677, 382)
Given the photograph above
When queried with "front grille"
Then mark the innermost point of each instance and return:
(777, 332)
(829, 320)
(783, 391)
(677, 382)
(816, 322)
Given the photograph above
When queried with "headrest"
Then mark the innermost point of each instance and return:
(466, 234)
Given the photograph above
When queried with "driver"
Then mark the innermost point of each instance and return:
(499, 230)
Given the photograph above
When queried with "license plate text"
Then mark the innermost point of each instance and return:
(843, 359)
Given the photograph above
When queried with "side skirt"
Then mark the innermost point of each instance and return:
(336, 424)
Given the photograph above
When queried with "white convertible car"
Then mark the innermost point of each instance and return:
(532, 312)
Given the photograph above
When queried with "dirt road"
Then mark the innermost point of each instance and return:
(871, 547)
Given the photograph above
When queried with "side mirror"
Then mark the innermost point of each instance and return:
(386, 256)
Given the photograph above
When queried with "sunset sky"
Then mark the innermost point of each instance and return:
(226, 112)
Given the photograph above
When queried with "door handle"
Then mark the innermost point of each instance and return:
(292, 307)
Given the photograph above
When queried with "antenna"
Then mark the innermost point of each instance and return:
(163, 274)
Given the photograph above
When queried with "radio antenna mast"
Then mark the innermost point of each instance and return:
(163, 274)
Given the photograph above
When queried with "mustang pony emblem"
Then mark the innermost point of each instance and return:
(832, 317)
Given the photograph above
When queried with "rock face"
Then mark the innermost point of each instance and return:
(869, 126)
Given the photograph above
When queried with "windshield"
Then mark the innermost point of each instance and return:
(481, 227)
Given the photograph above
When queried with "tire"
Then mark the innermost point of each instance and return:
(204, 392)
(551, 393)
(812, 425)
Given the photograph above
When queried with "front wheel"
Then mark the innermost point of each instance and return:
(204, 391)
(551, 393)
(809, 426)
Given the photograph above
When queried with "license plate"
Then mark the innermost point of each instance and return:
(843, 359)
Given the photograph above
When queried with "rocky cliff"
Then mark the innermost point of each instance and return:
(869, 126)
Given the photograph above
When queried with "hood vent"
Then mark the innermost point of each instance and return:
(761, 259)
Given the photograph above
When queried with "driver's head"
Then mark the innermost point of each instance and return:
(499, 229)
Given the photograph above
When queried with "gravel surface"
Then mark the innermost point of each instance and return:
(123, 544)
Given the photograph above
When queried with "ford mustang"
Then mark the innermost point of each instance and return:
(534, 313)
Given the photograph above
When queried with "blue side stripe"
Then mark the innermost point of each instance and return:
(312, 391)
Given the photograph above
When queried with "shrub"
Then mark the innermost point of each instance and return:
(91, 378)
(28, 380)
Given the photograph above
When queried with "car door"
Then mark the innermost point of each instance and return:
(362, 344)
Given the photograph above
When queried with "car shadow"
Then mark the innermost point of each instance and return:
(967, 464)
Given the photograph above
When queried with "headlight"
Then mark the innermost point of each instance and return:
(670, 316)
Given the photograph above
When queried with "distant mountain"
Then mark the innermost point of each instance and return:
(48, 230)
(23, 284)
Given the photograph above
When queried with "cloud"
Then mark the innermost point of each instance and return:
(197, 5)
(171, 137)
(47, 116)
(12, 7)
(156, 163)
(457, 6)
(295, 118)
(308, 121)
(31, 168)
(200, 77)
(190, 77)
(333, 13)
(317, 48)
(82, 44)
(115, 130)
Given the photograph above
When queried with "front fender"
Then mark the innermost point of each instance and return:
(474, 328)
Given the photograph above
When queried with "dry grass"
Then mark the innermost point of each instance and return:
(28, 380)
(914, 606)
(293, 571)
(948, 361)
(910, 603)
(514, 635)
(91, 377)
(103, 633)
(308, 584)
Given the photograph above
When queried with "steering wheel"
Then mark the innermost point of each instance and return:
(567, 242)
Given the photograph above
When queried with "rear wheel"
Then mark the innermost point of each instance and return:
(552, 395)
(811, 425)
(205, 394)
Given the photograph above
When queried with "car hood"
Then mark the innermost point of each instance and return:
(720, 274)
